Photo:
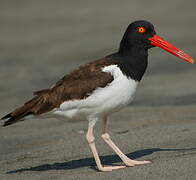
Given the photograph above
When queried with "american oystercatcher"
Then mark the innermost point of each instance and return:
(99, 88)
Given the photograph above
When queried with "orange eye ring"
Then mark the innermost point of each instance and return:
(141, 29)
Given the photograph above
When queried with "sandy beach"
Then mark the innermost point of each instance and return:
(41, 41)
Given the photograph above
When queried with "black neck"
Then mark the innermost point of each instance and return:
(134, 51)
(132, 61)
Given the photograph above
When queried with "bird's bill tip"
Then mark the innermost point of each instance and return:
(160, 42)
(191, 60)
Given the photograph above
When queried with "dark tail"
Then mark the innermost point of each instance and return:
(13, 119)
(19, 113)
(40, 104)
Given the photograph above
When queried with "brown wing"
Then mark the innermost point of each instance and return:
(78, 84)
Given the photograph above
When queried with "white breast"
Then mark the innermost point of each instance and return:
(105, 100)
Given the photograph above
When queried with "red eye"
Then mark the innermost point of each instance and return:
(141, 29)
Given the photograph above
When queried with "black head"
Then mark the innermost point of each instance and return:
(137, 35)
(133, 52)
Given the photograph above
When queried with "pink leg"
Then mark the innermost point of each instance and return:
(90, 138)
(125, 159)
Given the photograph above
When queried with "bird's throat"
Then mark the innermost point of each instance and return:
(132, 62)
(133, 51)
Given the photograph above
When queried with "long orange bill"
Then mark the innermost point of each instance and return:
(160, 42)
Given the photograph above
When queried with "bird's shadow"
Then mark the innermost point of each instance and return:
(89, 162)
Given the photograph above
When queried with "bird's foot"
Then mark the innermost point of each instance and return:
(110, 168)
(130, 162)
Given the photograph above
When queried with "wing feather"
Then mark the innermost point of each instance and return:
(78, 84)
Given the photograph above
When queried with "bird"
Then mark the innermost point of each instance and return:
(99, 88)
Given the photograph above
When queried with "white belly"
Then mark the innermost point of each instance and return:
(102, 101)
